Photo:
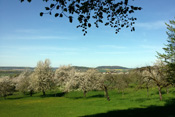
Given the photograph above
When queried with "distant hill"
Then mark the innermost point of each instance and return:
(111, 67)
(16, 68)
(81, 68)
(78, 68)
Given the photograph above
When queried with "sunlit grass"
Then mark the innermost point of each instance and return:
(74, 104)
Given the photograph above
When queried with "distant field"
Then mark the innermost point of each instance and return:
(133, 104)
(79, 68)
(12, 71)
(15, 71)
(9, 72)
(113, 70)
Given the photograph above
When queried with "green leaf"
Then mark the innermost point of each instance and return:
(58, 7)
(131, 11)
(56, 14)
(78, 1)
(47, 8)
(139, 8)
(41, 14)
(77, 5)
(70, 19)
(65, 9)
(126, 2)
(107, 23)
(89, 25)
(61, 15)
(112, 19)
(100, 20)
(52, 5)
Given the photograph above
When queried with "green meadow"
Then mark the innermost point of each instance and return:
(134, 103)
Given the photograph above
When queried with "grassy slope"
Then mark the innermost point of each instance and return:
(72, 104)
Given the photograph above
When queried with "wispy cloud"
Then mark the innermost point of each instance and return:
(152, 47)
(111, 46)
(151, 25)
(16, 51)
(39, 48)
(67, 53)
(48, 48)
(27, 31)
(8, 56)
(38, 37)
(111, 53)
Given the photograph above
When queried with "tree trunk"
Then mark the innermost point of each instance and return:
(44, 94)
(147, 89)
(31, 93)
(118, 90)
(84, 93)
(167, 91)
(5, 97)
(160, 94)
(106, 92)
(122, 92)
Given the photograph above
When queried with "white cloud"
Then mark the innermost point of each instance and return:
(27, 31)
(39, 48)
(112, 46)
(66, 53)
(152, 47)
(48, 48)
(151, 25)
(111, 53)
(8, 56)
(38, 37)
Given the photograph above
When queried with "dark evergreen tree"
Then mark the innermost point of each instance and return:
(169, 55)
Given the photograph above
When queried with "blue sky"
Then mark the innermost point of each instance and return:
(26, 38)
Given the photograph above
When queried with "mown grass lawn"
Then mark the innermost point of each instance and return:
(73, 104)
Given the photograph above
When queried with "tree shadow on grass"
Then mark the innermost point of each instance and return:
(152, 111)
(17, 96)
(75, 97)
(88, 97)
(96, 96)
(139, 100)
(12, 98)
(61, 94)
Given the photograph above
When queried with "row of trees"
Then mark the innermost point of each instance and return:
(66, 78)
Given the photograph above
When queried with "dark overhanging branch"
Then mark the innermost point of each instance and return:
(115, 12)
